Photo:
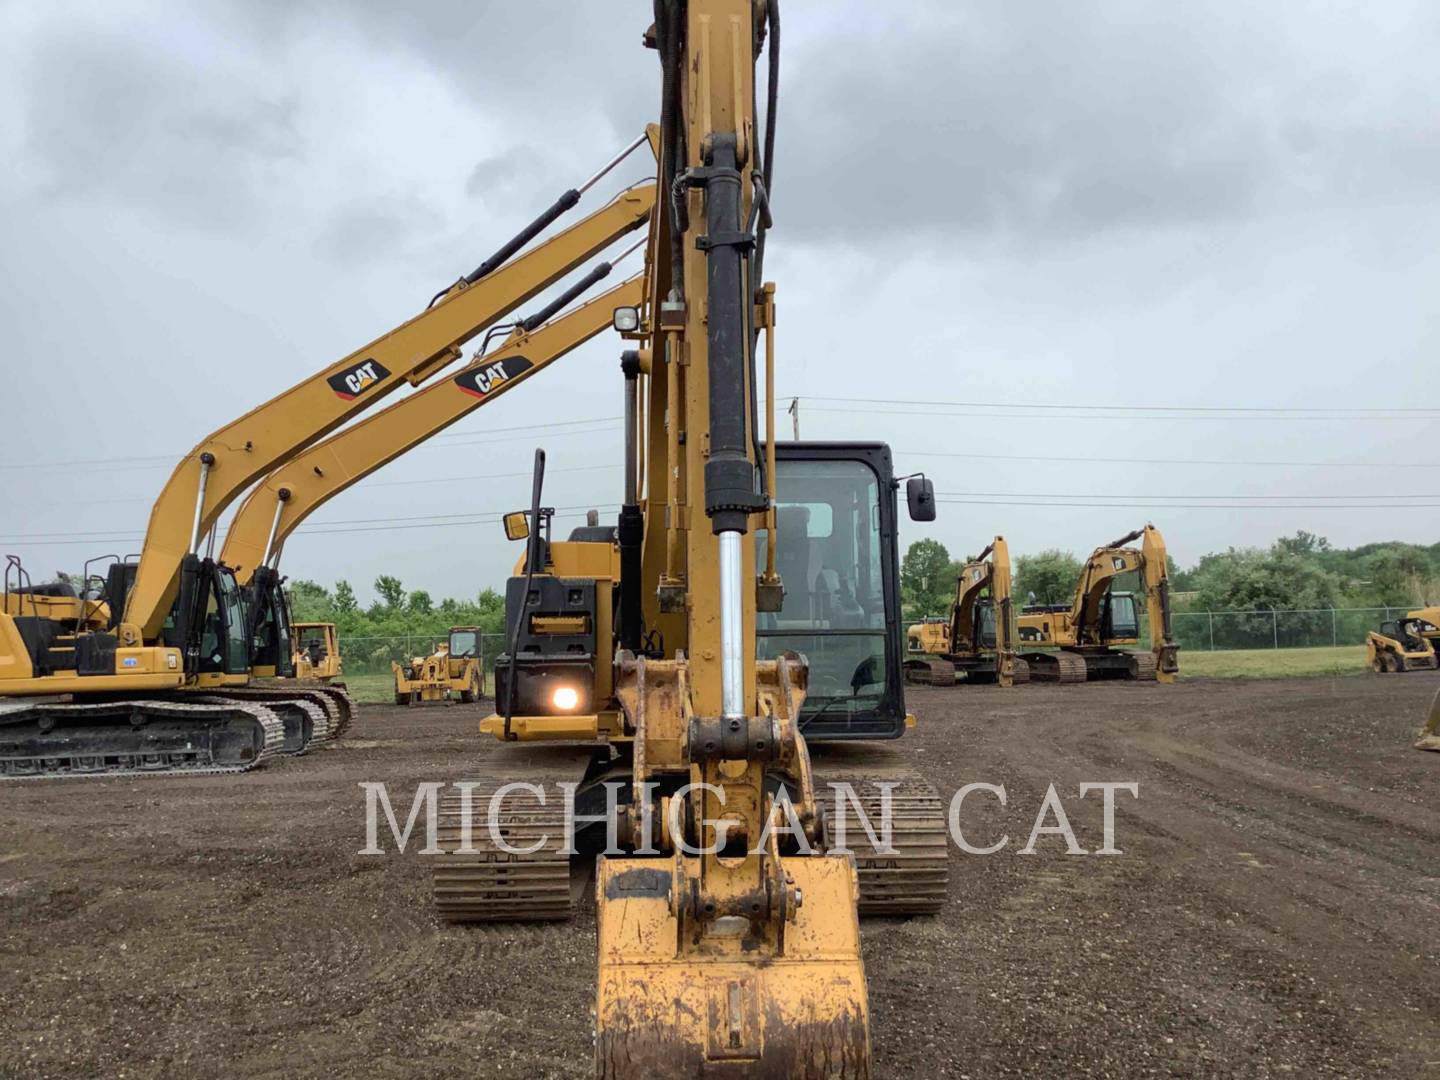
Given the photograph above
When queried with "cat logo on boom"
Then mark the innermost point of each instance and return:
(350, 384)
(480, 381)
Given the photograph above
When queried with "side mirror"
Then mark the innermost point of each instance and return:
(517, 525)
(920, 496)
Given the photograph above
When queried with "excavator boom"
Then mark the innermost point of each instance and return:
(285, 498)
(224, 464)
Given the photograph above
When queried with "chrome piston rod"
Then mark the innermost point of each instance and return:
(732, 628)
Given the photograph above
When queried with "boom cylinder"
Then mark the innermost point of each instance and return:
(631, 532)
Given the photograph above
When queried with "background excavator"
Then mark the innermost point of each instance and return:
(744, 606)
(1087, 633)
(979, 636)
(1405, 644)
(155, 674)
(455, 667)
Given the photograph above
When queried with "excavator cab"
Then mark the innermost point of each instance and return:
(837, 553)
(1120, 621)
(268, 620)
(209, 623)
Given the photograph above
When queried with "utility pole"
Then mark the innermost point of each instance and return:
(794, 412)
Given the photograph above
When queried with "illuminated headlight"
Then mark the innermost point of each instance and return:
(627, 319)
(565, 698)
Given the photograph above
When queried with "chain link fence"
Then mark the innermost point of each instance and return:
(1208, 631)
(1214, 631)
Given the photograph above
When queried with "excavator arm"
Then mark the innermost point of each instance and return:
(224, 464)
(1105, 564)
(290, 494)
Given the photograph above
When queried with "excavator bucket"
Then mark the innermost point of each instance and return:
(1430, 737)
(676, 1004)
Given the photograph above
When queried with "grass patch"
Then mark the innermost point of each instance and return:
(1273, 663)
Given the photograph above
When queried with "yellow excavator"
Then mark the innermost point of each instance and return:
(1085, 635)
(455, 667)
(979, 637)
(316, 656)
(155, 674)
(1405, 644)
(677, 668)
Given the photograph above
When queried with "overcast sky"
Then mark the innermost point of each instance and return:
(1207, 205)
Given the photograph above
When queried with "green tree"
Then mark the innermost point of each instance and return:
(392, 593)
(309, 601)
(345, 603)
(419, 603)
(1049, 577)
(927, 580)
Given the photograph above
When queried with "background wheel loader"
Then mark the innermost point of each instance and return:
(1087, 636)
(317, 652)
(979, 637)
(454, 668)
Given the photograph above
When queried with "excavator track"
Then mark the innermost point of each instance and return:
(1061, 667)
(1143, 666)
(1022, 672)
(336, 705)
(913, 877)
(930, 672)
(494, 885)
(137, 738)
(304, 722)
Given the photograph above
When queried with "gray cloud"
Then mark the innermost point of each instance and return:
(122, 115)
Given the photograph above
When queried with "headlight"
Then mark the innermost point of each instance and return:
(565, 698)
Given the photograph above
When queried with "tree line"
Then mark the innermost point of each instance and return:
(1300, 571)
(395, 611)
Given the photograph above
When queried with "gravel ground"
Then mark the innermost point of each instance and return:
(1275, 911)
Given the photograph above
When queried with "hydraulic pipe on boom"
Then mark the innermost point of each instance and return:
(226, 463)
(285, 498)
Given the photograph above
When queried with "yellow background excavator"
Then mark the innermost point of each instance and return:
(1087, 634)
(1405, 644)
(156, 675)
(454, 668)
(978, 639)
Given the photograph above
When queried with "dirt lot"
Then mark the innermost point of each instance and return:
(1276, 908)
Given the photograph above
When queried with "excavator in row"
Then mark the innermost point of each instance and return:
(978, 638)
(1086, 638)
(179, 661)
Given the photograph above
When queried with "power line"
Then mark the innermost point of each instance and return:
(1189, 506)
(459, 438)
(1328, 411)
(1113, 415)
(561, 513)
(1178, 461)
(1077, 494)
